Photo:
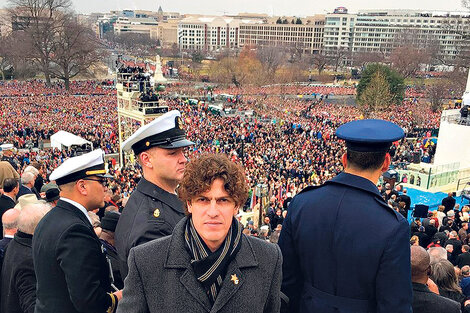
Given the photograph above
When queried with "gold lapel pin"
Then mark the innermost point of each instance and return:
(156, 213)
(234, 279)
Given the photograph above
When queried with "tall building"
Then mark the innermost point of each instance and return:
(208, 33)
(215, 32)
(307, 36)
(166, 33)
(339, 29)
(375, 31)
(141, 25)
(383, 30)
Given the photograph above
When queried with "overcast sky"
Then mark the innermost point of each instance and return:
(271, 7)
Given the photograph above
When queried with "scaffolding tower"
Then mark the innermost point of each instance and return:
(134, 110)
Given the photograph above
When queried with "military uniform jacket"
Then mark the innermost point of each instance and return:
(150, 213)
(71, 269)
(161, 279)
(345, 250)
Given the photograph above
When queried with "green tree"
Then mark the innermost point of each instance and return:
(298, 21)
(376, 96)
(279, 21)
(394, 81)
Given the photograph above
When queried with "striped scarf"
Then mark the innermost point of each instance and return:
(210, 267)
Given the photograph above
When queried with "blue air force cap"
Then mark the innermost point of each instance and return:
(369, 135)
(165, 131)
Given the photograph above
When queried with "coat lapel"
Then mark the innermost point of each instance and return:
(178, 258)
(194, 288)
(76, 211)
(234, 278)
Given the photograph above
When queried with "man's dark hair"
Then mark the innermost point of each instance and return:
(9, 184)
(466, 248)
(365, 160)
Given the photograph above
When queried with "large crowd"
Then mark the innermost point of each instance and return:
(288, 143)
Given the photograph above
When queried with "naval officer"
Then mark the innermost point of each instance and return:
(153, 208)
(70, 263)
(344, 248)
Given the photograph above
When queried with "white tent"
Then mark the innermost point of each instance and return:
(63, 138)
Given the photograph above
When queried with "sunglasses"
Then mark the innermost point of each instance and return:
(102, 181)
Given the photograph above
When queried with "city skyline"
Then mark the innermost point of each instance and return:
(270, 7)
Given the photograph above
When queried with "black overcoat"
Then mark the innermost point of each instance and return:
(71, 267)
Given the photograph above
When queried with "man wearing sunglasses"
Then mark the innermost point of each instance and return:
(70, 263)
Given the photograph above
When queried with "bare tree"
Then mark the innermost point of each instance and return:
(406, 60)
(411, 49)
(458, 77)
(436, 94)
(76, 49)
(242, 70)
(41, 21)
(5, 55)
(337, 57)
(319, 61)
(271, 58)
(296, 51)
(12, 59)
(361, 59)
(292, 72)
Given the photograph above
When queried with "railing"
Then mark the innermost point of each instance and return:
(436, 176)
(456, 119)
(147, 107)
(463, 182)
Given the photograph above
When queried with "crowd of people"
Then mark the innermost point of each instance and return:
(287, 144)
(443, 235)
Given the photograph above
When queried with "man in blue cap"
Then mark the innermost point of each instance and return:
(153, 209)
(344, 248)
